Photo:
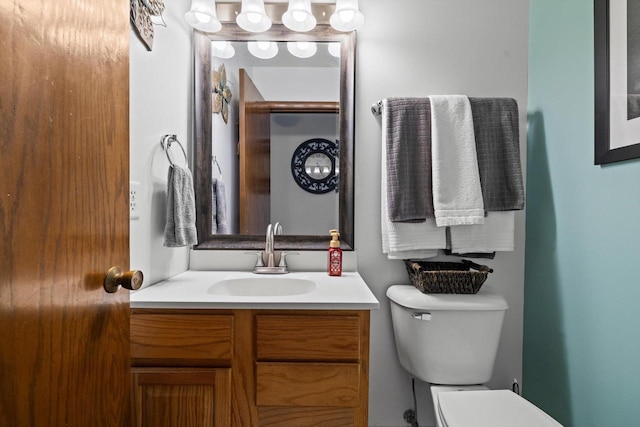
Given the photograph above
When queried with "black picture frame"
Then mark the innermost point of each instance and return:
(604, 153)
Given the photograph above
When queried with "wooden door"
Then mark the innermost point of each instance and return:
(255, 159)
(64, 107)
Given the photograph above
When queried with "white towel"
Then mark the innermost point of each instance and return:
(180, 228)
(399, 238)
(496, 234)
(457, 195)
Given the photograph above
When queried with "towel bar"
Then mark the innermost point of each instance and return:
(166, 142)
(376, 108)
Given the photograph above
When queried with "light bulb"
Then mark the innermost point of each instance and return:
(202, 17)
(334, 49)
(254, 18)
(299, 16)
(263, 49)
(347, 15)
(220, 45)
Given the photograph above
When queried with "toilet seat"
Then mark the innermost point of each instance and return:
(490, 408)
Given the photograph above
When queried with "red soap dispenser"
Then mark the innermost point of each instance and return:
(335, 255)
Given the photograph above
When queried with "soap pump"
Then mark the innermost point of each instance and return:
(335, 255)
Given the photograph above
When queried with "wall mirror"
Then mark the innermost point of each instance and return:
(274, 137)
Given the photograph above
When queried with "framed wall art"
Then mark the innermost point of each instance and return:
(617, 80)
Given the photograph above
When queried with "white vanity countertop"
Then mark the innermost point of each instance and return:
(191, 289)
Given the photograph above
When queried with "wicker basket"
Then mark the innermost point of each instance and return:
(447, 277)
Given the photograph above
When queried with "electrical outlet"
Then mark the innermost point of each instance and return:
(134, 200)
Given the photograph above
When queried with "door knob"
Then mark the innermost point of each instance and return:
(115, 278)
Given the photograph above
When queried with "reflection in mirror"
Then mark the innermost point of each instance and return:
(260, 88)
(274, 137)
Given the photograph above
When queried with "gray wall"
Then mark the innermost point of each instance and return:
(161, 102)
(418, 48)
(299, 211)
(406, 48)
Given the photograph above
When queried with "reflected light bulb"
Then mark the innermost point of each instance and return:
(202, 17)
(303, 45)
(308, 170)
(325, 169)
(316, 170)
(264, 45)
(220, 45)
(347, 15)
(299, 16)
(254, 18)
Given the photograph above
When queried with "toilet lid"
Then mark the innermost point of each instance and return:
(490, 408)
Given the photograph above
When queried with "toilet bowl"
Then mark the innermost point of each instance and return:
(451, 342)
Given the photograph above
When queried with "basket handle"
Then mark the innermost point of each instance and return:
(415, 266)
(477, 266)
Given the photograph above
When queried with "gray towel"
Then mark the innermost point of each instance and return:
(180, 229)
(218, 208)
(408, 157)
(495, 122)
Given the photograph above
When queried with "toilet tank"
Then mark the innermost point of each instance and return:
(447, 338)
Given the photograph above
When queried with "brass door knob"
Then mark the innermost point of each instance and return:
(115, 278)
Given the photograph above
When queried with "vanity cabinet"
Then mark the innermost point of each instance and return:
(250, 367)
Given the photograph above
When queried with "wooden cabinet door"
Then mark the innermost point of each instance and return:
(182, 397)
(64, 212)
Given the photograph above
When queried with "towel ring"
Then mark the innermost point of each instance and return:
(214, 161)
(166, 142)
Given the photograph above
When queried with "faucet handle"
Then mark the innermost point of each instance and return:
(259, 261)
(283, 254)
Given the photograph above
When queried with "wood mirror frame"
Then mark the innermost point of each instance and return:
(203, 137)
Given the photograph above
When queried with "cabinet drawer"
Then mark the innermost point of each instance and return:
(308, 384)
(200, 338)
(280, 416)
(308, 337)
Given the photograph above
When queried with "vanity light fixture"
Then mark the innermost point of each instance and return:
(222, 49)
(302, 49)
(253, 17)
(202, 16)
(298, 16)
(263, 49)
(347, 16)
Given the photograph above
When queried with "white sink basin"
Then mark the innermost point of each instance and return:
(262, 287)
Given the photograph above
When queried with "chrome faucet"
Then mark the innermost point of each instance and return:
(266, 262)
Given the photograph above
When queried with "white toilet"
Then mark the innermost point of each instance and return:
(451, 341)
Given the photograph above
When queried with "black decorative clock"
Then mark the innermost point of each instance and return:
(314, 165)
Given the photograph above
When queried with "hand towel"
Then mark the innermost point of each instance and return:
(496, 234)
(398, 237)
(408, 155)
(180, 228)
(457, 195)
(496, 125)
(218, 207)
